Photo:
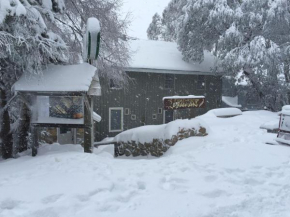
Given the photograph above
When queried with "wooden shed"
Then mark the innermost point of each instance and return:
(62, 97)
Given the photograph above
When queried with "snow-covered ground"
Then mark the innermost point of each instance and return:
(231, 172)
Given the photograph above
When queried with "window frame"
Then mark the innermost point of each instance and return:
(154, 116)
(122, 119)
(127, 111)
(160, 111)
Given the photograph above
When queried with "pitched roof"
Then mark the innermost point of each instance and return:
(61, 78)
(161, 56)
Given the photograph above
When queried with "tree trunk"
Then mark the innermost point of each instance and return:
(5, 133)
(23, 128)
(258, 89)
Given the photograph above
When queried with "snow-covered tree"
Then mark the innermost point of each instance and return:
(26, 46)
(171, 18)
(154, 31)
(250, 38)
(114, 52)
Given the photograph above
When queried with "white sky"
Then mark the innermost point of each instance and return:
(142, 12)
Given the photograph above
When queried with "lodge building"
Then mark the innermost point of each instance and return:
(156, 70)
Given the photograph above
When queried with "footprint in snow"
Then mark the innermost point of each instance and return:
(9, 204)
(210, 178)
(51, 198)
(215, 193)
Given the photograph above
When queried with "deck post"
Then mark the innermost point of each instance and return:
(88, 121)
(34, 145)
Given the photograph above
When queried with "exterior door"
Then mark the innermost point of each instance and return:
(168, 116)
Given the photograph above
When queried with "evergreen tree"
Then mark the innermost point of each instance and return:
(154, 31)
(250, 38)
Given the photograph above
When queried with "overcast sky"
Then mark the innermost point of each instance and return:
(142, 12)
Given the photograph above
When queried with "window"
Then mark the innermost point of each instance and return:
(115, 119)
(159, 110)
(133, 117)
(169, 81)
(127, 111)
(201, 82)
(114, 85)
(66, 107)
(64, 130)
(154, 116)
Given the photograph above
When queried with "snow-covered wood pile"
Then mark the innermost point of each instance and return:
(155, 140)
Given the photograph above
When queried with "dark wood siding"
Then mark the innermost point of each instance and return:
(144, 96)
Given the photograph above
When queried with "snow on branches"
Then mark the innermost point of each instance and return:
(252, 37)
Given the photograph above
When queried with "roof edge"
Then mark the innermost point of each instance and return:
(167, 71)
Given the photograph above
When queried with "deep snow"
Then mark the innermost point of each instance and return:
(231, 172)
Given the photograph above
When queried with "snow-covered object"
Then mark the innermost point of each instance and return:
(146, 134)
(183, 97)
(225, 112)
(91, 41)
(59, 78)
(231, 101)
(270, 125)
(96, 117)
(284, 128)
(156, 56)
(286, 110)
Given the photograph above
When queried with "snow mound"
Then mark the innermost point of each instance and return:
(146, 134)
(225, 112)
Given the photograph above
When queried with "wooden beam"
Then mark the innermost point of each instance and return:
(35, 144)
(88, 121)
(60, 93)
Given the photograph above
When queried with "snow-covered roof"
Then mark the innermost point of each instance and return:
(61, 78)
(184, 97)
(164, 57)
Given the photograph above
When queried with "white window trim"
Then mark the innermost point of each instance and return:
(122, 119)
(135, 117)
(161, 111)
(153, 116)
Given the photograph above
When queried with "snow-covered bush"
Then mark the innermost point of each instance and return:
(155, 140)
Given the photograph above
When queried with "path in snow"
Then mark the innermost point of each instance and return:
(231, 172)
